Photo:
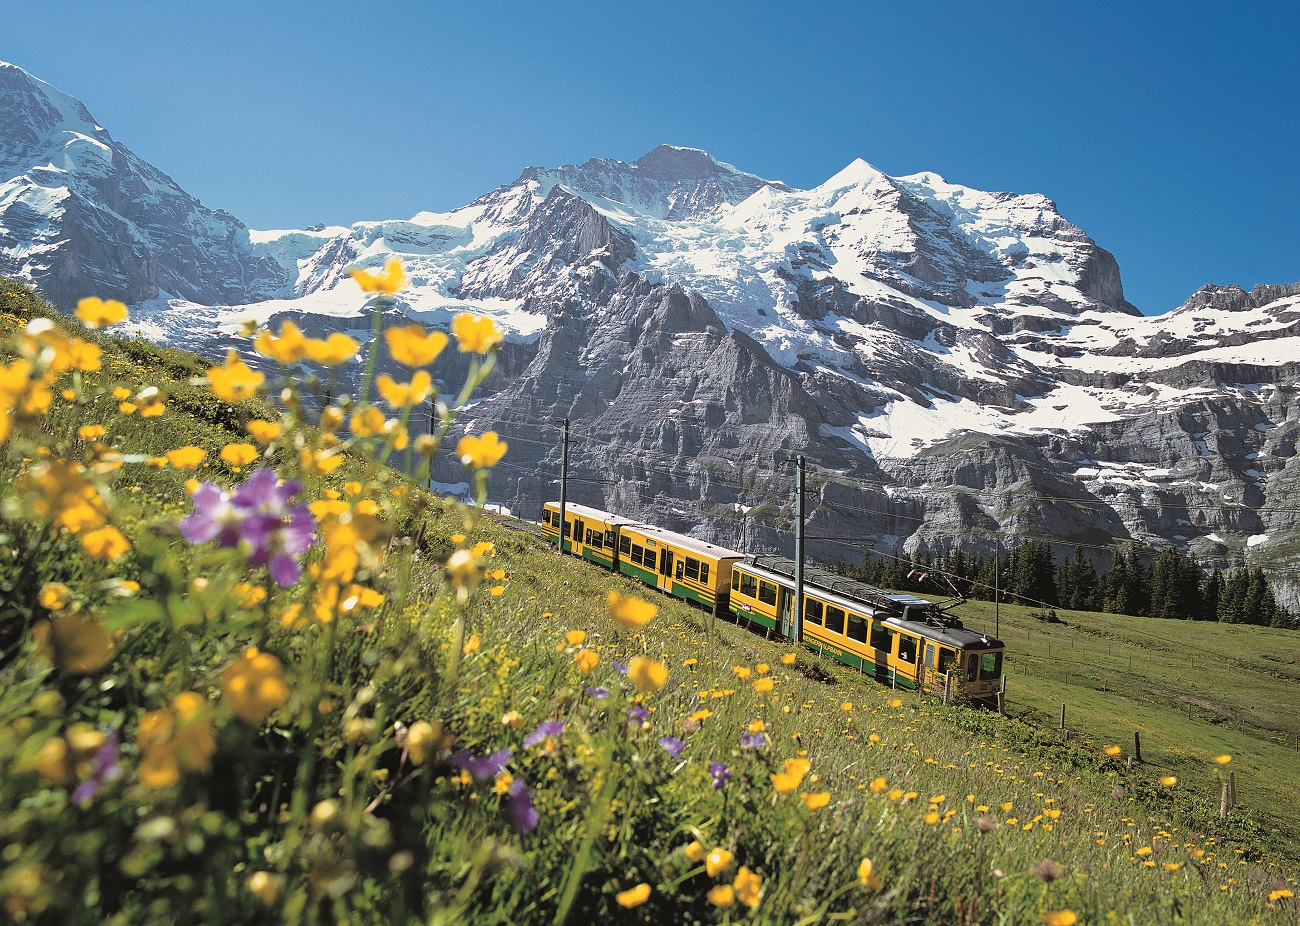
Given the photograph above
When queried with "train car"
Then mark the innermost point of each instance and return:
(588, 532)
(901, 640)
(681, 566)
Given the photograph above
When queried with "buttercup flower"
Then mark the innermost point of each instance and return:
(717, 861)
(235, 380)
(475, 334)
(286, 347)
(254, 685)
(749, 887)
(337, 348)
(96, 313)
(412, 346)
(633, 897)
(867, 874)
(586, 660)
(647, 674)
(392, 279)
(632, 613)
(481, 452)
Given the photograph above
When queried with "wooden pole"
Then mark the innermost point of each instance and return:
(1223, 803)
(1137, 745)
(1062, 716)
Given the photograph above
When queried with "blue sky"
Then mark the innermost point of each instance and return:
(1169, 132)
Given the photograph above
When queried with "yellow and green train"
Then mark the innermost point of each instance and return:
(901, 640)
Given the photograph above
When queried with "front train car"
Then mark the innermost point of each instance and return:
(901, 640)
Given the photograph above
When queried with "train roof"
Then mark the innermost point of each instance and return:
(702, 547)
(946, 630)
(595, 514)
(852, 589)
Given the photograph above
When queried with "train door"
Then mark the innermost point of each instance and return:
(928, 673)
(784, 610)
(577, 535)
(882, 643)
(666, 569)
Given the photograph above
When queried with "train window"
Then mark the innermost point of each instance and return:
(638, 554)
(704, 573)
(588, 538)
(972, 667)
(609, 539)
(748, 585)
(929, 655)
(577, 529)
(834, 619)
(692, 568)
(546, 516)
(881, 636)
(567, 528)
(857, 628)
(991, 665)
(625, 545)
(907, 648)
(767, 593)
(947, 659)
(812, 611)
(735, 580)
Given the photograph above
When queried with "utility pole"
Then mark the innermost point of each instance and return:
(796, 634)
(997, 582)
(564, 484)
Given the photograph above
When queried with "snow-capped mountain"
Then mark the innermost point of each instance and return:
(84, 216)
(953, 362)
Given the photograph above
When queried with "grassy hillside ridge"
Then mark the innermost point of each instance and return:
(358, 797)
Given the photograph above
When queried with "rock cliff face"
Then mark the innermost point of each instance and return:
(954, 364)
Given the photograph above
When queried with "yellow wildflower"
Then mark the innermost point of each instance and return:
(1112, 751)
(647, 674)
(53, 596)
(106, 543)
(286, 347)
(254, 685)
(790, 779)
(263, 431)
(894, 702)
(586, 661)
(575, 637)
(695, 852)
(235, 380)
(717, 861)
(741, 671)
(239, 454)
(153, 410)
(475, 334)
(421, 739)
(1169, 781)
(633, 897)
(96, 313)
(816, 801)
(632, 613)
(1060, 918)
(392, 279)
(471, 645)
(480, 452)
(867, 874)
(400, 395)
(337, 348)
(748, 887)
(788, 658)
(722, 895)
(1223, 759)
(412, 346)
(764, 685)
(90, 431)
(186, 457)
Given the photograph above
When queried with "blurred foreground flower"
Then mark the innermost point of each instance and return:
(256, 518)
(392, 279)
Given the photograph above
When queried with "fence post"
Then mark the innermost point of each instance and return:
(1001, 705)
(947, 684)
(1223, 803)
(1137, 745)
(1062, 716)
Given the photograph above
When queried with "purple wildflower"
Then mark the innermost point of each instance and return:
(519, 807)
(545, 729)
(618, 667)
(752, 740)
(672, 745)
(257, 518)
(720, 774)
(636, 716)
(482, 768)
(597, 693)
(104, 770)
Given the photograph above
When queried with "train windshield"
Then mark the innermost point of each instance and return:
(991, 665)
